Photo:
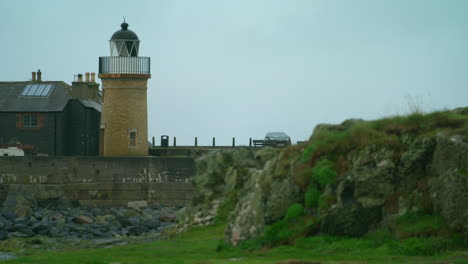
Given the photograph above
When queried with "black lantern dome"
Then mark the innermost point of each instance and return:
(124, 42)
(124, 33)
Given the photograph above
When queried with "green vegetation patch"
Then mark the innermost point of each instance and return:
(323, 173)
(276, 234)
(385, 132)
(200, 245)
(428, 246)
(420, 225)
(311, 197)
(294, 211)
(325, 202)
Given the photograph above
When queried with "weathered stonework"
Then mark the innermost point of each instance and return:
(99, 181)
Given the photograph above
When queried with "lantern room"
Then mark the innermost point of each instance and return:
(124, 42)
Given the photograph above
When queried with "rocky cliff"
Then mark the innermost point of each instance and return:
(348, 179)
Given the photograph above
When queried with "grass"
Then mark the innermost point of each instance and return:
(199, 246)
(420, 225)
(386, 132)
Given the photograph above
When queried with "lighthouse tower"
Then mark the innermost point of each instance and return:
(124, 117)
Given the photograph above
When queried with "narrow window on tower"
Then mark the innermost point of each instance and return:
(132, 133)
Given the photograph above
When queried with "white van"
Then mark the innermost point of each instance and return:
(11, 151)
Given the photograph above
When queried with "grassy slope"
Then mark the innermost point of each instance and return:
(199, 246)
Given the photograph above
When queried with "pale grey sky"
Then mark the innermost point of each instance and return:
(243, 68)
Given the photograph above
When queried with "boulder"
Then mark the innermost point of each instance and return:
(8, 216)
(16, 234)
(151, 224)
(115, 224)
(82, 219)
(350, 220)
(134, 220)
(414, 163)
(130, 213)
(137, 230)
(106, 241)
(41, 227)
(247, 220)
(3, 235)
(123, 221)
(448, 186)
(167, 218)
(372, 174)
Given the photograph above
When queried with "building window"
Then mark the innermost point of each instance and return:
(132, 138)
(30, 121)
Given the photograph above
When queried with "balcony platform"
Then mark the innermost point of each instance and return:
(124, 67)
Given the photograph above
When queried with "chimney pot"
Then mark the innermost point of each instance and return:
(33, 76)
(80, 77)
(39, 76)
(93, 77)
(87, 77)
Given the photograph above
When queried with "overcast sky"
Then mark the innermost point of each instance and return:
(242, 68)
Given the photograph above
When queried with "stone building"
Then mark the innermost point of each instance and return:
(51, 117)
(124, 75)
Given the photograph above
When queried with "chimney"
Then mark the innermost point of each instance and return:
(80, 77)
(33, 76)
(39, 76)
(87, 77)
(93, 77)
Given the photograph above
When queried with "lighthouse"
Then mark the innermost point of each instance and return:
(124, 76)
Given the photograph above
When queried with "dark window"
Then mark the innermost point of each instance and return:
(132, 137)
(30, 121)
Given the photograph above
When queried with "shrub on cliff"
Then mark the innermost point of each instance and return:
(294, 211)
(323, 173)
(311, 197)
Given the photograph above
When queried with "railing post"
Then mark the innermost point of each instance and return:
(214, 142)
(196, 142)
(175, 142)
(233, 142)
(250, 142)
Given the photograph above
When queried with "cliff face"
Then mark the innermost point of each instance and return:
(349, 179)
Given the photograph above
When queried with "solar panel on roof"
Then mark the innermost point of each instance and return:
(47, 90)
(32, 90)
(26, 89)
(37, 89)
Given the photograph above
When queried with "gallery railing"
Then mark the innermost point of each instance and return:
(124, 65)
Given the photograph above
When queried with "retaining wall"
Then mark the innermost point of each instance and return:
(100, 181)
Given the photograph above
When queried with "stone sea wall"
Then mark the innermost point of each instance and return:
(96, 181)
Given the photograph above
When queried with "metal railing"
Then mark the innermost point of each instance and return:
(125, 65)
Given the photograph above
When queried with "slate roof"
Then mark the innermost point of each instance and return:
(91, 104)
(11, 101)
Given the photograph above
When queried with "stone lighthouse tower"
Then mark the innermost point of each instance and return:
(124, 118)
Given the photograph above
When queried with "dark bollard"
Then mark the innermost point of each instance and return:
(153, 143)
(164, 141)
(233, 142)
(175, 141)
(214, 142)
(196, 142)
(250, 142)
